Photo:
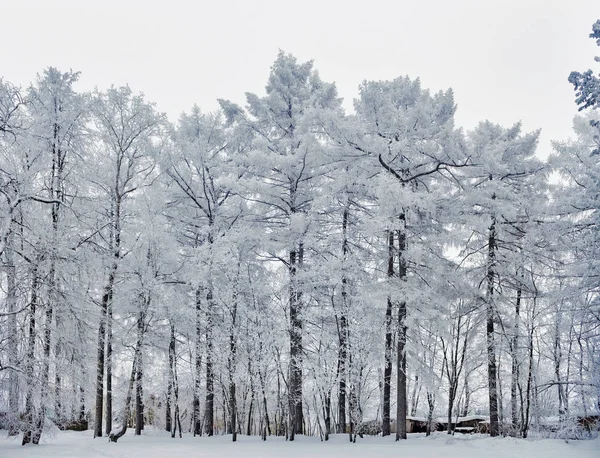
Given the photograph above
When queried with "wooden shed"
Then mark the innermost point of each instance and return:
(416, 424)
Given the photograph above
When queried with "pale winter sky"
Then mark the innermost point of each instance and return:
(507, 60)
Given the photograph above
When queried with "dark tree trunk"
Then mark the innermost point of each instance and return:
(295, 384)
(264, 399)
(171, 382)
(231, 369)
(250, 412)
(401, 402)
(491, 348)
(105, 326)
(342, 374)
(343, 333)
(58, 408)
(54, 194)
(327, 414)
(13, 341)
(557, 353)
(525, 417)
(197, 423)
(81, 403)
(515, 366)
(209, 406)
(139, 376)
(100, 358)
(176, 420)
(109, 408)
(30, 416)
(387, 371)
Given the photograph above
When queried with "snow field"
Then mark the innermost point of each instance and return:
(157, 444)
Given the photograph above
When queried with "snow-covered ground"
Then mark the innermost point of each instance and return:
(154, 444)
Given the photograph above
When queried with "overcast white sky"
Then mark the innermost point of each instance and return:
(507, 60)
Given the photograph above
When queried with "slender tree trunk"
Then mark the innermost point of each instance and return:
(197, 423)
(209, 407)
(431, 407)
(100, 358)
(105, 338)
(12, 341)
(491, 348)
(81, 403)
(341, 374)
(295, 384)
(56, 193)
(30, 416)
(343, 333)
(525, 419)
(401, 402)
(108, 364)
(515, 366)
(465, 409)
(387, 371)
(58, 407)
(176, 421)
(250, 412)
(264, 399)
(171, 381)
(45, 378)
(327, 414)
(557, 353)
(414, 405)
(451, 398)
(139, 376)
(117, 435)
(231, 364)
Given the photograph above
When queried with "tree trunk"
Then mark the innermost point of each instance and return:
(465, 409)
(557, 353)
(491, 348)
(81, 403)
(264, 396)
(171, 381)
(30, 417)
(515, 366)
(431, 407)
(295, 384)
(176, 420)
(12, 341)
(197, 423)
(525, 417)
(401, 402)
(58, 407)
(47, 342)
(108, 363)
(139, 376)
(114, 437)
(209, 406)
(101, 354)
(250, 412)
(387, 371)
(328, 415)
(231, 370)
(343, 333)
(414, 404)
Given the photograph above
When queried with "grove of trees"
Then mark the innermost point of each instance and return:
(286, 268)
